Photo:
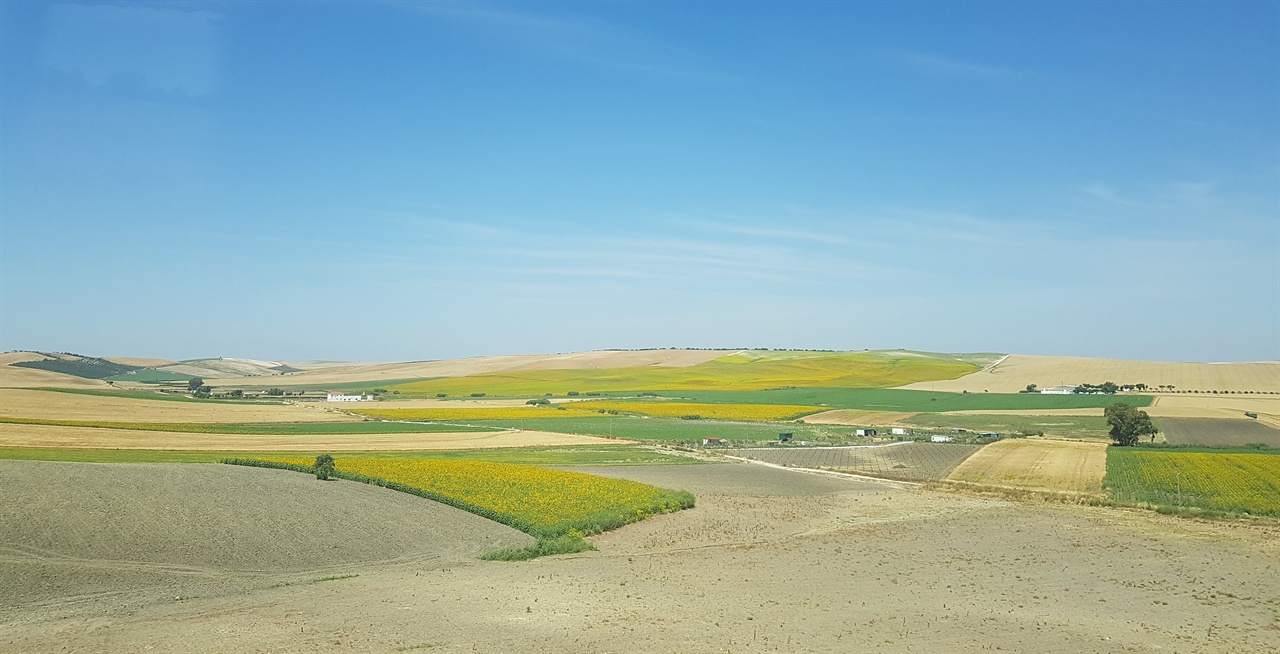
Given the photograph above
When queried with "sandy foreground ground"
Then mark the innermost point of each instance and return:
(13, 435)
(1017, 370)
(770, 560)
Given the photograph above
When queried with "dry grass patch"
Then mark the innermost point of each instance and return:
(1040, 464)
(52, 405)
(14, 435)
(1017, 370)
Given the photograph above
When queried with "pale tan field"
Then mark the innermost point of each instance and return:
(51, 405)
(17, 435)
(769, 561)
(1216, 406)
(15, 377)
(374, 373)
(1017, 370)
(857, 418)
(1037, 464)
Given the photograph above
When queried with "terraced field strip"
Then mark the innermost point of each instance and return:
(657, 409)
(906, 460)
(259, 428)
(1038, 464)
(572, 455)
(1236, 482)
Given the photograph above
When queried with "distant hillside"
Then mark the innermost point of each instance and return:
(76, 365)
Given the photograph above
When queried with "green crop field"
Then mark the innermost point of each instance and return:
(751, 370)
(260, 428)
(907, 401)
(578, 455)
(150, 376)
(1231, 481)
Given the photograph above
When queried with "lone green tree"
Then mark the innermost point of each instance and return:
(323, 467)
(1128, 424)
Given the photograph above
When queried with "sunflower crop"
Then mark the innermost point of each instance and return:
(1232, 482)
(540, 501)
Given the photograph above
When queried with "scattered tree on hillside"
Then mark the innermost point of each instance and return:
(323, 467)
(1128, 424)
(194, 384)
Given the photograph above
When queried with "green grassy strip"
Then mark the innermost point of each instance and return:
(673, 430)
(260, 428)
(566, 544)
(545, 456)
(1073, 426)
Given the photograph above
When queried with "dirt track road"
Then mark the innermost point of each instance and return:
(771, 560)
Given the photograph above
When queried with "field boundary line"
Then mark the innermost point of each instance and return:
(848, 475)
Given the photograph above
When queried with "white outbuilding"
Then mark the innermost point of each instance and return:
(1058, 390)
(339, 396)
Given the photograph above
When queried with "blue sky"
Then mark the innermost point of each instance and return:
(402, 181)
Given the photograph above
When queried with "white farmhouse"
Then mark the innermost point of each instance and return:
(939, 439)
(339, 396)
(1058, 390)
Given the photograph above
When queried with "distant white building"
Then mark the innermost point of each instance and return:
(339, 396)
(1058, 390)
(899, 431)
(940, 439)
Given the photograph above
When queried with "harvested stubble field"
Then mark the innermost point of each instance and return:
(1039, 464)
(21, 403)
(1218, 432)
(771, 560)
(906, 460)
(1017, 370)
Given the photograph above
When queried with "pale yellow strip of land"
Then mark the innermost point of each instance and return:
(12, 435)
(51, 405)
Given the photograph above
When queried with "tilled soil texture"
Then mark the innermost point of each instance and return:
(77, 535)
(771, 560)
(1218, 431)
(907, 460)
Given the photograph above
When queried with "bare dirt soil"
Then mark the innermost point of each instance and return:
(770, 560)
(52, 405)
(1017, 370)
(1211, 431)
(1036, 463)
(78, 535)
(14, 435)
